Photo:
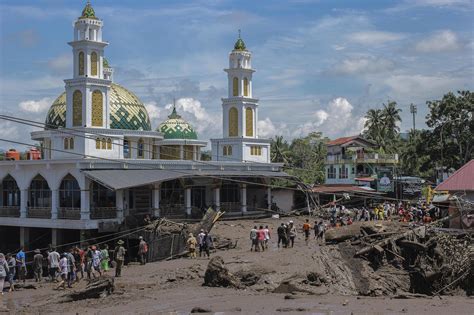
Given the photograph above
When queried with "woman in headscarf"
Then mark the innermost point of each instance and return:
(3, 271)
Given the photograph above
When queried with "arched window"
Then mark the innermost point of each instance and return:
(97, 109)
(81, 63)
(69, 193)
(249, 122)
(66, 143)
(97, 144)
(10, 192)
(246, 87)
(103, 144)
(101, 197)
(39, 193)
(227, 150)
(77, 108)
(140, 151)
(233, 122)
(126, 149)
(94, 63)
(235, 87)
(109, 144)
(71, 143)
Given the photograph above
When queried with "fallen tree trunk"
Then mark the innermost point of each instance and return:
(97, 288)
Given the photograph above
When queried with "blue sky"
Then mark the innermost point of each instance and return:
(320, 64)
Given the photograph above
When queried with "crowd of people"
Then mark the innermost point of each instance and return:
(68, 267)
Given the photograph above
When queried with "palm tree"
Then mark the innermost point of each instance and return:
(390, 117)
(279, 150)
(374, 125)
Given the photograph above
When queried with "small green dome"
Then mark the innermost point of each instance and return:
(105, 63)
(240, 45)
(176, 127)
(88, 12)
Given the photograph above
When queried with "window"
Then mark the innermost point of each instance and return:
(233, 122)
(188, 152)
(81, 63)
(230, 192)
(66, 143)
(255, 150)
(69, 193)
(227, 150)
(97, 109)
(10, 192)
(343, 172)
(97, 144)
(235, 87)
(101, 196)
(331, 172)
(39, 193)
(103, 144)
(126, 149)
(249, 122)
(170, 152)
(140, 149)
(77, 108)
(246, 87)
(109, 144)
(155, 152)
(94, 64)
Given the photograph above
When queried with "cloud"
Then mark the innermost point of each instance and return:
(266, 128)
(445, 40)
(374, 37)
(61, 64)
(32, 106)
(362, 65)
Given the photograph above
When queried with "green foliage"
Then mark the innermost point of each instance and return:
(382, 126)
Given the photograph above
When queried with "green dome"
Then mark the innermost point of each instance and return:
(176, 127)
(239, 44)
(126, 111)
(88, 12)
(105, 63)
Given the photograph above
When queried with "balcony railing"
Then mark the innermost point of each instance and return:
(362, 158)
(69, 213)
(103, 213)
(10, 211)
(39, 213)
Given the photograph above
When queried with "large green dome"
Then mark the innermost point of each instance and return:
(176, 127)
(126, 111)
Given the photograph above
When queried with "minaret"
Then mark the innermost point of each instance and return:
(239, 109)
(87, 93)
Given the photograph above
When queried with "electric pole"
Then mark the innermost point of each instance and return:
(413, 112)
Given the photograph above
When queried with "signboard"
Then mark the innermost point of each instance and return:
(385, 179)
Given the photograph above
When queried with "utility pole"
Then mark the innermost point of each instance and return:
(413, 112)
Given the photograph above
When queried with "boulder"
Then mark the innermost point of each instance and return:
(217, 275)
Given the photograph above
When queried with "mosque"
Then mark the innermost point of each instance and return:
(104, 167)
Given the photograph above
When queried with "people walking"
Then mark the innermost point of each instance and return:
(282, 237)
(191, 242)
(142, 250)
(96, 258)
(207, 243)
(63, 271)
(321, 230)
(306, 230)
(119, 257)
(105, 258)
(261, 238)
(53, 264)
(11, 271)
(254, 239)
(201, 241)
(21, 264)
(71, 267)
(266, 230)
(38, 266)
(3, 271)
(291, 233)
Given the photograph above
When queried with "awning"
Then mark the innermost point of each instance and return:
(364, 179)
(120, 178)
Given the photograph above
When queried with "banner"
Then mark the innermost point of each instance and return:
(385, 179)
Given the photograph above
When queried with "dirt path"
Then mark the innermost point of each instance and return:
(176, 286)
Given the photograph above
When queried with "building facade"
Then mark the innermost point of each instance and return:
(104, 168)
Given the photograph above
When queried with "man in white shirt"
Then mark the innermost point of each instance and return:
(53, 264)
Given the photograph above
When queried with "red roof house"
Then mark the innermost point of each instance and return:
(461, 180)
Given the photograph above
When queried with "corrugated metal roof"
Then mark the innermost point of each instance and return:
(462, 179)
(121, 179)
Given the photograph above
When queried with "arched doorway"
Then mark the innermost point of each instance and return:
(39, 198)
(102, 202)
(10, 198)
(69, 198)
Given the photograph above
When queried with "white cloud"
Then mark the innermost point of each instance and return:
(32, 106)
(445, 40)
(362, 65)
(266, 128)
(61, 64)
(374, 37)
(419, 86)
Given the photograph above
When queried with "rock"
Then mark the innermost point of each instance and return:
(217, 275)
(198, 309)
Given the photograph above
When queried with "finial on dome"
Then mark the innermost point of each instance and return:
(174, 114)
(239, 44)
(88, 12)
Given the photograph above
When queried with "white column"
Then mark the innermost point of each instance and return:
(243, 198)
(188, 201)
(217, 198)
(269, 198)
(181, 152)
(24, 236)
(54, 237)
(23, 203)
(119, 203)
(195, 152)
(54, 203)
(85, 205)
(156, 199)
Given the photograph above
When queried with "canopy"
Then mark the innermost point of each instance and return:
(120, 179)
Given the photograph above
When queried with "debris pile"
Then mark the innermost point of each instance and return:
(217, 275)
(96, 288)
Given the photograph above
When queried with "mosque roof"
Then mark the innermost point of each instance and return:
(126, 111)
(88, 12)
(175, 127)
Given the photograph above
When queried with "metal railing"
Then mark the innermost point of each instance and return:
(103, 213)
(69, 213)
(10, 211)
(39, 213)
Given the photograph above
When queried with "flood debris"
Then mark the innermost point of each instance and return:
(218, 275)
(96, 288)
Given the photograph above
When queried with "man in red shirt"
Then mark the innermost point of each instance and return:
(261, 237)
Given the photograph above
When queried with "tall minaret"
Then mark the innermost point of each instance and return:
(87, 93)
(239, 108)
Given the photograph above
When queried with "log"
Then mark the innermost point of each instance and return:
(97, 288)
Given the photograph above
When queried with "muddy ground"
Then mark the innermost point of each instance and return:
(307, 279)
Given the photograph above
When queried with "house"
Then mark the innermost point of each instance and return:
(352, 160)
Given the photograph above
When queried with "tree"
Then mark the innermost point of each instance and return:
(391, 118)
(382, 126)
(279, 149)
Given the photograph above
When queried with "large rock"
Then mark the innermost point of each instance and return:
(217, 275)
